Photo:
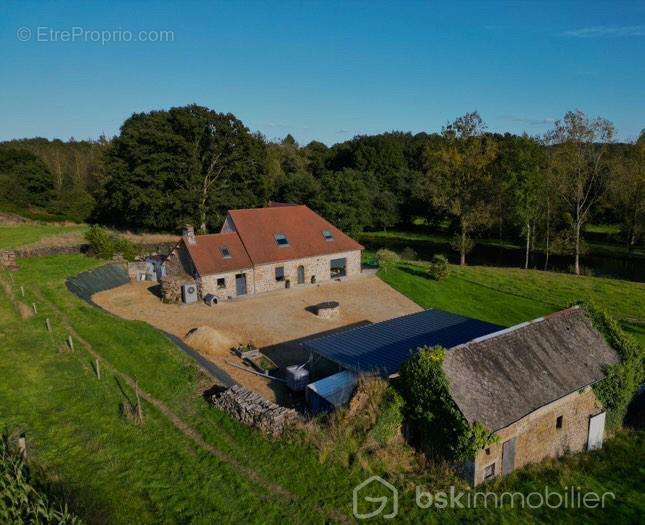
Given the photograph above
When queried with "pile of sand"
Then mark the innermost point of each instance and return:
(208, 340)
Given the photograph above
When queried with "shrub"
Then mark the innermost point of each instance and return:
(21, 501)
(616, 391)
(438, 268)
(408, 254)
(438, 425)
(106, 244)
(386, 257)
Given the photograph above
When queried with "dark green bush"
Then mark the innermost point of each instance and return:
(408, 254)
(616, 391)
(106, 244)
(437, 423)
(438, 268)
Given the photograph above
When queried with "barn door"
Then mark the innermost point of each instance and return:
(596, 431)
(508, 456)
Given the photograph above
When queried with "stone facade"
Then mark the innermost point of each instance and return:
(538, 436)
(316, 267)
(209, 284)
(263, 277)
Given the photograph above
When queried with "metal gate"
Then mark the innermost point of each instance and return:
(240, 284)
(596, 431)
(508, 456)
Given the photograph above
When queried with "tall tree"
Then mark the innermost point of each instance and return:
(185, 164)
(627, 191)
(459, 176)
(526, 178)
(579, 150)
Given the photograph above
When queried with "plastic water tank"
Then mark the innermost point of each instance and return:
(297, 377)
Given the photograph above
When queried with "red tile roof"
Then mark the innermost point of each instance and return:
(207, 255)
(303, 228)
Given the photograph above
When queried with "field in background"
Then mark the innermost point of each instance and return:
(45, 234)
(508, 296)
(113, 468)
(41, 234)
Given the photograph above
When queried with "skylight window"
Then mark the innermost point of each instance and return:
(281, 239)
(225, 252)
(327, 235)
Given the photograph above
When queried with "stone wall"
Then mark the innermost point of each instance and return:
(314, 266)
(8, 260)
(208, 284)
(537, 436)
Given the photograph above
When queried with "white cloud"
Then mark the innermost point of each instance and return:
(605, 31)
(528, 120)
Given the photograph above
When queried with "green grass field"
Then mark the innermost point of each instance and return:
(190, 463)
(15, 236)
(508, 296)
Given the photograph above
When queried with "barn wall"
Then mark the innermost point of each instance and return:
(537, 436)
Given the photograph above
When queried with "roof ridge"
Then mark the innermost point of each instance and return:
(515, 327)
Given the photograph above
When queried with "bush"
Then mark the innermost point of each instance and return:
(438, 425)
(438, 268)
(616, 391)
(106, 244)
(408, 254)
(386, 257)
(21, 501)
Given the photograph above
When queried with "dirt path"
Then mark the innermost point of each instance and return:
(182, 426)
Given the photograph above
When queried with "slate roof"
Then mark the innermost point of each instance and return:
(207, 255)
(499, 379)
(303, 228)
(383, 347)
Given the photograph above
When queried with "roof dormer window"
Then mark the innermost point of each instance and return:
(225, 252)
(281, 239)
(327, 235)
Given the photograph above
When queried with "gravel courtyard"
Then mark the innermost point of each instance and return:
(269, 320)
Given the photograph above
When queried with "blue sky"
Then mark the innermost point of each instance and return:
(322, 70)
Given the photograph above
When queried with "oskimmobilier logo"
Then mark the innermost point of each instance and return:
(375, 497)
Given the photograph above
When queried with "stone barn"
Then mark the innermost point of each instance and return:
(264, 249)
(529, 384)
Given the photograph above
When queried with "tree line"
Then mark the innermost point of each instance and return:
(192, 164)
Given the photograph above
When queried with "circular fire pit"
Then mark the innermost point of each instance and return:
(328, 310)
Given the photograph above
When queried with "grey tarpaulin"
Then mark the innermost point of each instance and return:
(86, 284)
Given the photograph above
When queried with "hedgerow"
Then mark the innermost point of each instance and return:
(438, 425)
(622, 380)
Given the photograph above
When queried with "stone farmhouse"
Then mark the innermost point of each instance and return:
(529, 384)
(264, 249)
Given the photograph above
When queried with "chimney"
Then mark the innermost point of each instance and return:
(188, 234)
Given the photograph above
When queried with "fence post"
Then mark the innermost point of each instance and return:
(35, 309)
(48, 324)
(70, 342)
(98, 369)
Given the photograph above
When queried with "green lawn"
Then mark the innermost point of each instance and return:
(14, 236)
(116, 471)
(508, 296)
